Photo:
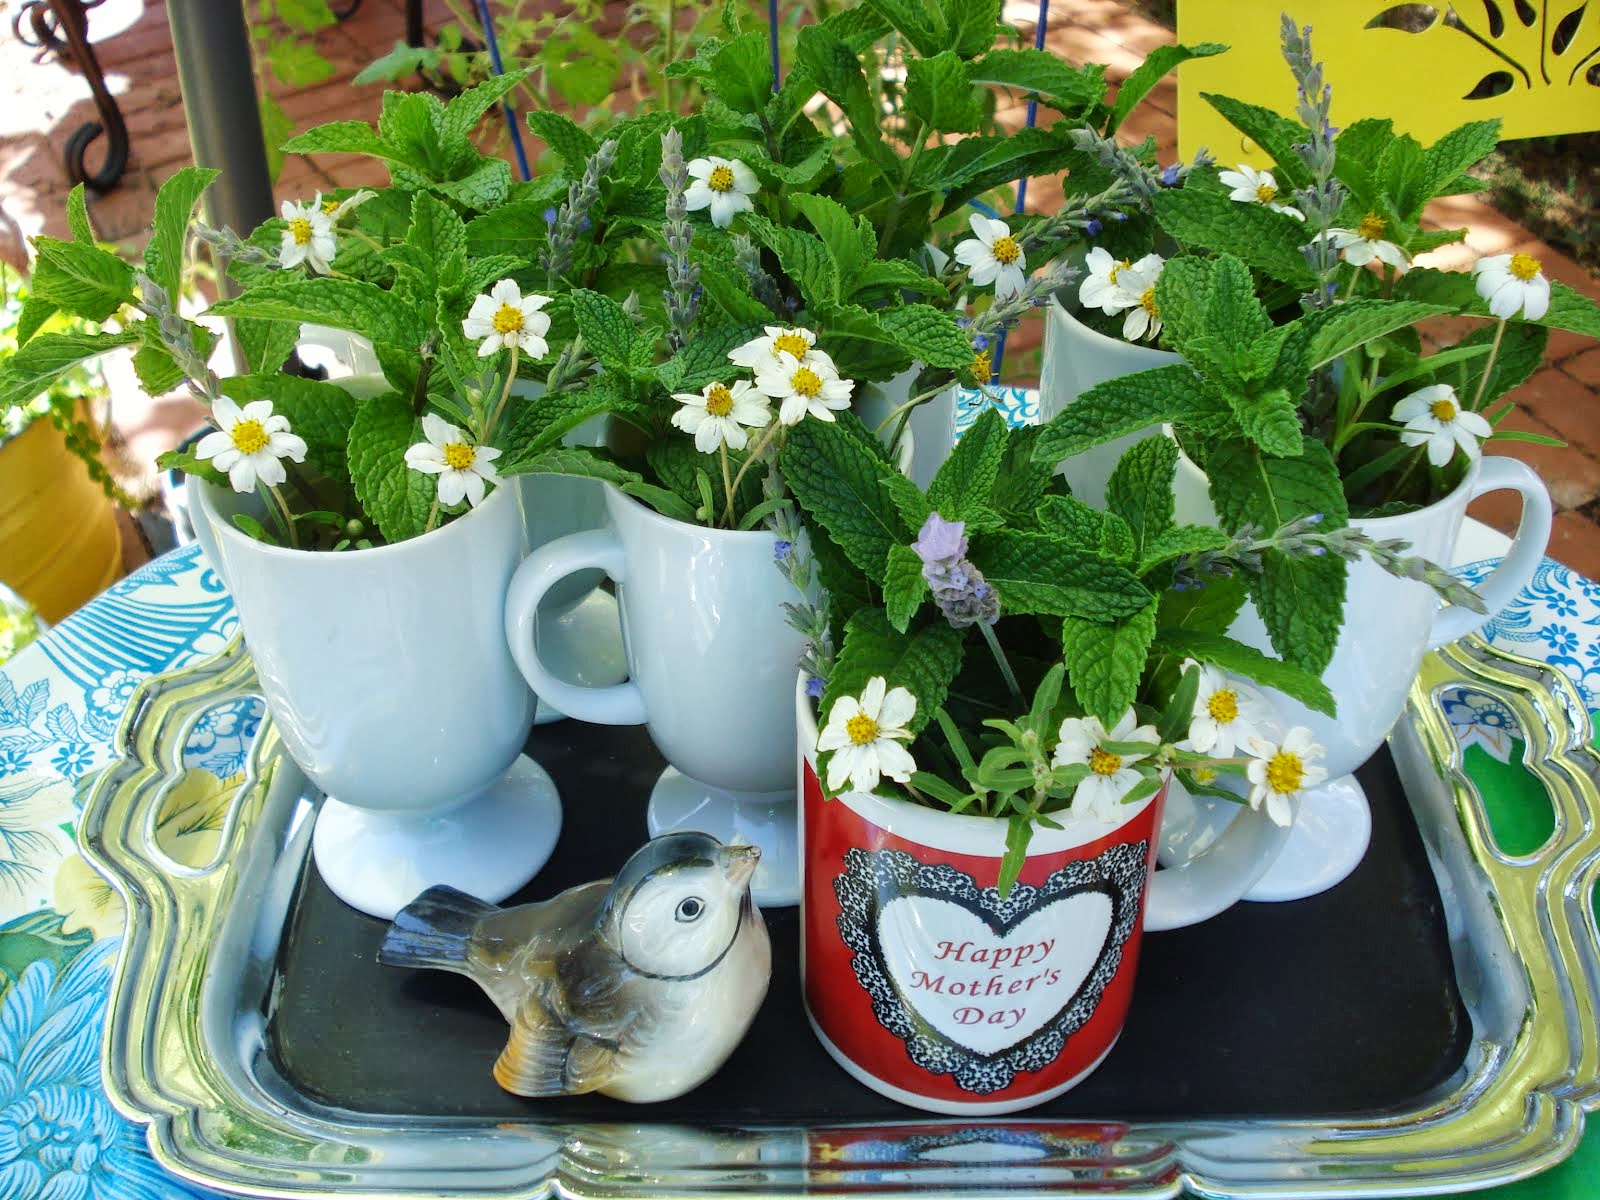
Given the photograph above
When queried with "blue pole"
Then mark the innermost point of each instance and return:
(1022, 184)
(772, 38)
(487, 21)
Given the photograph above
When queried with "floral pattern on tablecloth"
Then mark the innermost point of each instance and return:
(60, 703)
(1019, 406)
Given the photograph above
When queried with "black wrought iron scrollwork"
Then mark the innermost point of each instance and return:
(61, 27)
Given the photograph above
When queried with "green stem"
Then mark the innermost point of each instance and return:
(419, 394)
(283, 512)
(1399, 484)
(1005, 667)
(909, 405)
(727, 487)
(433, 515)
(755, 453)
(918, 140)
(1488, 367)
(500, 407)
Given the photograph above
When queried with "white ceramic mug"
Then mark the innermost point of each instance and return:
(930, 431)
(388, 678)
(711, 662)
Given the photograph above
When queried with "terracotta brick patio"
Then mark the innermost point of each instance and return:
(41, 103)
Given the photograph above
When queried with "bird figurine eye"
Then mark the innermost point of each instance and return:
(690, 908)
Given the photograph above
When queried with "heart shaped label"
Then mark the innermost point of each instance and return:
(979, 987)
(984, 990)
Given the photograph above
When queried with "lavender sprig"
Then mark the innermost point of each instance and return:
(573, 216)
(177, 335)
(810, 617)
(683, 277)
(229, 244)
(959, 588)
(1077, 216)
(1322, 200)
(747, 257)
(1036, 293)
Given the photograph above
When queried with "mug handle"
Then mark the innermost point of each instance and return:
(1505, 583)
(1218, 877)
(616, 704)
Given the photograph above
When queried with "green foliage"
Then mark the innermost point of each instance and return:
(399, 500)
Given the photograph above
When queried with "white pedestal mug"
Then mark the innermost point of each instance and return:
(711, 664)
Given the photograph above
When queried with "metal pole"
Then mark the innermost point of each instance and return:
(212, 46)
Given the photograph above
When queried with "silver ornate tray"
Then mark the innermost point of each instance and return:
(186, 1034)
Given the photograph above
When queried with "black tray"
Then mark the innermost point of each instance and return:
(1342, 1003)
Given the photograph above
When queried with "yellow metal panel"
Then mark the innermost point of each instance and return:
(1417, 66)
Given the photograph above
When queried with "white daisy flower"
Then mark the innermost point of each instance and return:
(865, 736)
(1101, 289)
(1225, 714)
(1361, 245)
(717, 416)
(724, 185)
(994, 257)
(1510, 282)
(1081, 742)
(504, 317)
(248, 443)
(1251, 186)
(309, 238)
(1433, 417)
(763, 351)
(1280, 771)
(803, 387)
(1144, 315)
(463, 468)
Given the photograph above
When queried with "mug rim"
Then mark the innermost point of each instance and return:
(958, 833)
(1096, 338)
(651, 515)
(227, 530)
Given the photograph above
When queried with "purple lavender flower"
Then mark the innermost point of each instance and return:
(1093, 228)
(980, 342)
(1169, 176)
(814, 687)
(550, 216)
(780, 550)
(963, 595)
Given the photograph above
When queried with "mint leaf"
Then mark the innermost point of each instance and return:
(80, 279)
(607, 330)
(266, 345)
(321, 413)
(1356, 322)
(1070, 90)
(1035, 573)
(837, 229)
(579, 462)
(157, 373)
(32, 369)
(1275, 134)
(899, 275)
(842, 485)
(1102, 533)
(741, 73)
(485, 187)
(78, 217)
(965, 479)
(1179, 541)
(937, 92)
(1450, 157)
(904, 586)
(1124, 405)
(804, 258)
(1239, 659)
(972, 23)
(1105, 661)
(923, 661)
(464, 111)
(571, 144)
(397, 498)
(1023, 481)
(705, 359)
(1211, 609)
(364, 308)
(820, 54)
(1140, 490)
(1571, 310)
(1522, 350)
(1157, 63)
(1301, 599)
(350, 137)
(929, 335)
(921, 25)
(1270, 419)
(1266, 240)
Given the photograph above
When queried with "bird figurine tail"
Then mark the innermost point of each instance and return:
(434, 929)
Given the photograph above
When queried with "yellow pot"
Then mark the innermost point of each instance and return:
(59, 543)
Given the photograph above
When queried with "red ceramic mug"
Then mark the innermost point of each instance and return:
(926, 986)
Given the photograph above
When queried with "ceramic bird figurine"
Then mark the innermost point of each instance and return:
(638, 987)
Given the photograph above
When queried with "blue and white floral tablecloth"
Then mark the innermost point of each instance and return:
(60, 701)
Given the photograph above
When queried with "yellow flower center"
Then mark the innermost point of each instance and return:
(300, 228)
(459, 456)
(1372, 227)
(1120, 267)
(508, 319)
(721, 179)
(1223, 706)
(982, 369)
(1147, 301)
(1445, 410)
(791, 343)
(1205, 775)
(329, 207)
(1285, 773)
(863, 730)
(248, 437)
(1103, 762)
(1266, 193)
(719, 401)
(1524, 266)
(1005, 250)
(807, 383)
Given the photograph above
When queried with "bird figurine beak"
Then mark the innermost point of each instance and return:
(739, 863)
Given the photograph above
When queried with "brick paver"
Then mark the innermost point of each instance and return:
(41, 103)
